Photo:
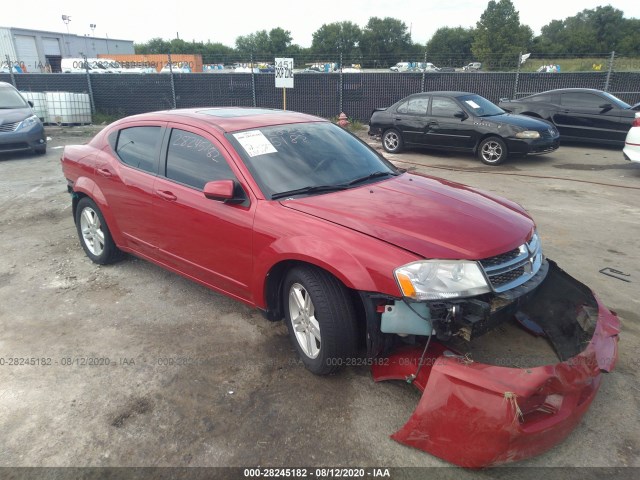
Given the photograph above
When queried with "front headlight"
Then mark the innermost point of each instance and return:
(441, 279)
(27, 122)
(528, 134)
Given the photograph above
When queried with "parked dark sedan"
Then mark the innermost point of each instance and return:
(461, 121)
(580, 114)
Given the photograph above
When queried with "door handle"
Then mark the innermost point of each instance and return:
(166, 195)
(398, 119)
(432, 124)
(104, 172)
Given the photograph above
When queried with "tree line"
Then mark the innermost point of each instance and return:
(497, 39)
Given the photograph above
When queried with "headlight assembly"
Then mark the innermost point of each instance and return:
(29, 121)
(441, 279)
(528, 134)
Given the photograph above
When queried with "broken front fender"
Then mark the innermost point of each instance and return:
(478, 415)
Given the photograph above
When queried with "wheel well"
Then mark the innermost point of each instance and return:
(273, 294)
(75, 198)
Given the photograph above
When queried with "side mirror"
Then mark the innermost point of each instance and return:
(461, 115)
(606, 106)
(220, 190)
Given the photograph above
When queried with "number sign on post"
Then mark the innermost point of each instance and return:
(284, 77)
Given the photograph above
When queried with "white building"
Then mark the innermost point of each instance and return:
(37, 51)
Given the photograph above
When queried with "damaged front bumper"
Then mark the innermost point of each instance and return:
(478, 415)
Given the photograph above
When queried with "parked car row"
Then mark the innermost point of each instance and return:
(462, 121)
(430, 67)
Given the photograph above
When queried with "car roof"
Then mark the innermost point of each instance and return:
(228, 119)
(446, 93)
(569, 90)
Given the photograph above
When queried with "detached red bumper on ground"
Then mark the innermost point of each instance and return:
(477, 415)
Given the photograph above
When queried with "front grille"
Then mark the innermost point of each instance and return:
(500, 259)
(507, 277)
(9, 127)
(511, 269)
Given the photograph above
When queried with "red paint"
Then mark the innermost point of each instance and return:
(465, 418)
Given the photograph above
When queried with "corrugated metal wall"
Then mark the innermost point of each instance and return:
(6, 47)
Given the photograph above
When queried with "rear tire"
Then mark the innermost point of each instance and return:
(392, 141)
(94, 233)
(321, 319)
(492, 151)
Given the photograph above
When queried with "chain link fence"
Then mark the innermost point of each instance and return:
(323, 85)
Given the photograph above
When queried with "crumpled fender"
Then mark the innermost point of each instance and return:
(477, 415)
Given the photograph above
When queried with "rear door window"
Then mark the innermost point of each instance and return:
(581, 100)
(138, 147)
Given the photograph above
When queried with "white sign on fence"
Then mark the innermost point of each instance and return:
(284, 72)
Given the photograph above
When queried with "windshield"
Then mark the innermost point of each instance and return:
(10, 98)
(307, 158)
(480, 106)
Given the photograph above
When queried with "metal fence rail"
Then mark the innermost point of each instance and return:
(322, 94)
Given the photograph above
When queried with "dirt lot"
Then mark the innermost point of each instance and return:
(196, 379)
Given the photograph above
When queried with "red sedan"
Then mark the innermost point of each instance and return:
(293, 215)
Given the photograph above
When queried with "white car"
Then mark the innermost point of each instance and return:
(400, 67)
(631, 149)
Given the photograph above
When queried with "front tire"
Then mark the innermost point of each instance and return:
(321, 319)
(94, 234)
(392, 141)
(492, 151)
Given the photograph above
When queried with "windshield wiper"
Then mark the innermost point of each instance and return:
(309, 189)
(369, 177)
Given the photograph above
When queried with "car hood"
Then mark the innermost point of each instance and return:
(427, 216)
(13, 115)
(518, 121)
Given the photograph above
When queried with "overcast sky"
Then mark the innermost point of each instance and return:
(224, 21)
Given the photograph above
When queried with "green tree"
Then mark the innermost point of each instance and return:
(279, 41)
(337, 37)
(253, 43)
(386, 41)
(155, 45)
(450, 46)
(630, 41)
(499, 35)
(599, 30)
(265, 45)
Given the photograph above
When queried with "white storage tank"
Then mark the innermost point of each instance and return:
(39, 101)
(67, 108)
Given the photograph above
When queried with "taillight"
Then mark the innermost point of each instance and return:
(636, 122)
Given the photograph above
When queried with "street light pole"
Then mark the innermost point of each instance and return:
(66, 19)
(92, 26)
